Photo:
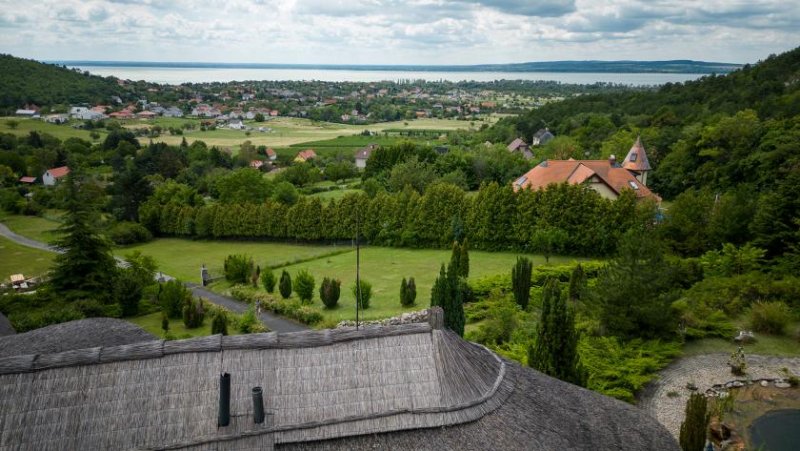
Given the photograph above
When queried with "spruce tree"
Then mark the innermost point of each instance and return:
(455, 258)
(86, 268)
(403, 292)
(411, 291)
(329, 292)
(555, 350)
(521, 281)
(285, 285)
(268, 280)
(439, 290)
(219, 325)
(695, 426)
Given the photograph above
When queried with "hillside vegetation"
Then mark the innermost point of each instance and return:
(25, 81)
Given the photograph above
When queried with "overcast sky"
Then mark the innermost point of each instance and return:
(398, 32)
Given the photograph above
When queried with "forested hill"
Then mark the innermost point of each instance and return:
(24, 81)
(723, 144)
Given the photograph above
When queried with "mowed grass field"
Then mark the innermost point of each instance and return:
(183, 258)
(34, 227)
(18, 259)
(385, 268)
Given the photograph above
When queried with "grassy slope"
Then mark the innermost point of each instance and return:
(15, 259)
(33, 227)
(62, 132)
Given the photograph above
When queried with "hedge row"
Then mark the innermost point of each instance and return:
(290, 308)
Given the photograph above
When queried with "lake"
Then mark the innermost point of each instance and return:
(177, 75)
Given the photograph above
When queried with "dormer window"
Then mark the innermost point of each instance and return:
(634, 185)
(633, 156)
(521, 180)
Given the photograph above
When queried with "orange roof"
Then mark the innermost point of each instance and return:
(307, 154)
(27, 179)
(59, 172)
(270, 152)
(576, 172)
(365, 152)
(636, 160)
(256, 164)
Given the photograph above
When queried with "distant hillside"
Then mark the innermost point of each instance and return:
(673, 66)
(25, 81)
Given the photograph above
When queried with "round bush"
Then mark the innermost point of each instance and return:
(304, 285)
(123, 233)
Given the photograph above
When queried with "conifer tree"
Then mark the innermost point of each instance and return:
(464, 259)
(695, 426)
(555, 350)
(521, 281)
(577, 283)
(219, 325)
(285, 285)
(403, 292)
(411, 291)
(86, 268)
(455, 258)
(439, 289)
(448, 292)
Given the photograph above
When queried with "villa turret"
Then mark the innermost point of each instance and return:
(636, 161)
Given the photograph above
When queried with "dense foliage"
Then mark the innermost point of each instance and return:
(25, 81)
(694, 428)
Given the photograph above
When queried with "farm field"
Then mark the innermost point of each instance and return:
(285, 131)
(18, 259)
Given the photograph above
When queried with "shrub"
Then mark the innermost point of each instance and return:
(285, 285)
(268, 280)
(695, 427)
(366, 293)
(123, 233)
(248, 322)
(128, 292)
(770, 317)
(238, 268)
(304, 285)
(329, 292)
(219, 325)
(290, 308)
(193, 313)
(172, 298)
(408, 292)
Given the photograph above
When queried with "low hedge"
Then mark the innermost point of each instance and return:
(290, 308)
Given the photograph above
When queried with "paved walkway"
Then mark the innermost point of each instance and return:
(272, 321)
(704, 371)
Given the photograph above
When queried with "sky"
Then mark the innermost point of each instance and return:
(398, 32)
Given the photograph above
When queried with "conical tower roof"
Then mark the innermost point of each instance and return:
(636, 160)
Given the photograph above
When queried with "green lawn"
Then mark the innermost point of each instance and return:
(335, 194)
(34, 227)
(183, 258)
(152, 324)
(62, 132)
(16, 258)
(384, 268)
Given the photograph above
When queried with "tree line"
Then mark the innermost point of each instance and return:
(580, 221)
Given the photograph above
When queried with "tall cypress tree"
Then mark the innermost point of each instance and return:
(555, 351)
(86, 268)
(448, 293)
(521, 281)
(464, 259)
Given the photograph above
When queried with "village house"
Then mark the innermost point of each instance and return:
(236, 125)
(57, 119)
(519, 145)
(54, 175)
(256, 164)
(305, 155)
(26, 112)
(542, 137)
(124, 114)
(27, 180)
(607, 177)
(271, 154)
(362, 155)
(146, 115)
(85, 113)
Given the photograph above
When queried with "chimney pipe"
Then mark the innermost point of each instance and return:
(224, 418)
(612, 160)
(258, 406)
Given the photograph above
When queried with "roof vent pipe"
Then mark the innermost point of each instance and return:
(258, 406)
(224, 400)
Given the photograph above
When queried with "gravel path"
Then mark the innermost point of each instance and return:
(273, 322)
(704, 371)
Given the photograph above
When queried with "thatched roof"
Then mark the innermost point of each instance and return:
(319, 387)
(80, 334)
(5, 327)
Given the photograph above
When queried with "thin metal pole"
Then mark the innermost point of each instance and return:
(358, 269)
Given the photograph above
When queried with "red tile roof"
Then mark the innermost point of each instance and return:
(365, 152)
(59, 172)
(516, 144)
(580, 171)
(256, 164)
(636, 160)
(271, 153)
(307, 154)
(27, 179)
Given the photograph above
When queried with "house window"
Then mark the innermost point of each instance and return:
(633, 156)
(521, 180)
(633, 185)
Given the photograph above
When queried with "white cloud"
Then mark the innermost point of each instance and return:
(397, 31)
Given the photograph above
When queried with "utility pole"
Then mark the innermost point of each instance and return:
(358, 268)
